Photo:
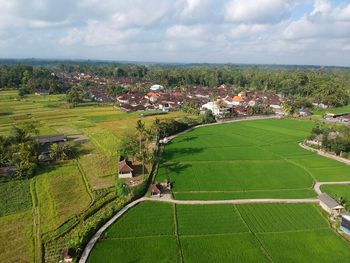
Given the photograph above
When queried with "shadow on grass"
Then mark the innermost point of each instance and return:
(176, 167)
(176, 153)
(188, 139)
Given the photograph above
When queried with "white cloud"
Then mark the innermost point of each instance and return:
(257, 11)
(325, 22)
(265, 31)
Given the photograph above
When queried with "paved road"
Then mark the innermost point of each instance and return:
(234, 201)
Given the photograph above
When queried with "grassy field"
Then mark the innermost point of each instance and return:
(16, 238)
(63, 190)
(253, 159)
(15, 197)
(221, 233)
(61, 194)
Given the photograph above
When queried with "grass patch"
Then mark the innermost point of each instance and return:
(15, 197)
(16, 238)
(151, 249)
(281, 217)
(227, 248)
(222, 219)
(306, 246)
(146, 219)
(61, 195)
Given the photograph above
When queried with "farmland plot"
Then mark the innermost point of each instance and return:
(221, 233)
(251, 159)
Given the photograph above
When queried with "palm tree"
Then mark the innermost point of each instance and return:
(156, 127)
(140, 127)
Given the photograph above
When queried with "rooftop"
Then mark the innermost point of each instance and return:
(329, 201)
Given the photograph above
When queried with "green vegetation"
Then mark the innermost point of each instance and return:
(252, 159)
(222, 233)
(15, 197)
(71, 197)
(61, 194)
(329, 86)
(306, 246)
(16, 238)
(332, 138)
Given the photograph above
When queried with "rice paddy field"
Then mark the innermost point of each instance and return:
(250, 159)
(162, 232)
(58, 192)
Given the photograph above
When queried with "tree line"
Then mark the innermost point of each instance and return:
(329, 86)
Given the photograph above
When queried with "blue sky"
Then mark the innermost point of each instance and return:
(234, 31)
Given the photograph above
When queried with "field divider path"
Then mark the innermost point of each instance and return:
(317, 185)
(324, 154)
(99, 233)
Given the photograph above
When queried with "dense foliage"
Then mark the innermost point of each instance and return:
(29, 79)
(19, 150)
(332, 138)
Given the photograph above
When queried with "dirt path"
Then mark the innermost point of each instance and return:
(36, 224)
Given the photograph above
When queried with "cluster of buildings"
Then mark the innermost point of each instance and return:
(220, 100)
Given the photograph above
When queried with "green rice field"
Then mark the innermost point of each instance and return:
(251, 159)
(162, 232)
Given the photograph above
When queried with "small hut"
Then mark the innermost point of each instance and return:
(330, 205)
(125, 168)
(154, 190)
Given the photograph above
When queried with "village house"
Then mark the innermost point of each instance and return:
(343, 118)
(330, 205)
(156, 87)
(237, 101)
(345, 223)
(215, 108)
(125, 168)
(154, 190)
(159, 189)
(304, 112)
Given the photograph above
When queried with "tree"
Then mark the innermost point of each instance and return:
(74, 96)
(122, 189)
(156, 128)
(208, 117)
(129, 146)
(58, 152)
(24, 157)
(140, 127)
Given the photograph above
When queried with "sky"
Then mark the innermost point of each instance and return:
(313, 32)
